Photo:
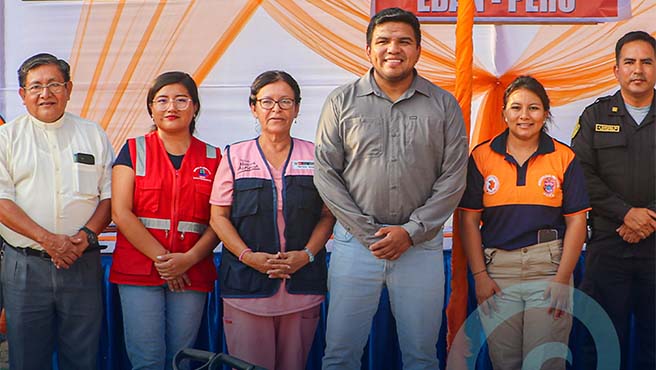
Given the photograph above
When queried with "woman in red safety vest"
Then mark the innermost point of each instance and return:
(163, 263)
(274, 227)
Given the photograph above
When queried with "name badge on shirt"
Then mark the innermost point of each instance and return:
(303, 164)
(601, 127)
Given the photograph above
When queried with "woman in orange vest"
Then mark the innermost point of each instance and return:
(163, 264)
(274, 227)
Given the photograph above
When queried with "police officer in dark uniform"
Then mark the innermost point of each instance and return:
(615, 143)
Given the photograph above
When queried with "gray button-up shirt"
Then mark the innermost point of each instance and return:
(380, 162)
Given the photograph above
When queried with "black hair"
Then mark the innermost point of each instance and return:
(630, 37)
(533, 85)
(170, 78)
(39, 60)
(394, 15)
(269, 77)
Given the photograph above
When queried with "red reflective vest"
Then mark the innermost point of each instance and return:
(174, 207)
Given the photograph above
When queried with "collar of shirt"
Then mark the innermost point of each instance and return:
(545, 145)
(367, 85)
(52, 125)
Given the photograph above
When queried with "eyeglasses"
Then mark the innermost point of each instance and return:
(53, 87)
(268, 103)
(179, 103)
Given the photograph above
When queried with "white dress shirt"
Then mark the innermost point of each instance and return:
(39, 172)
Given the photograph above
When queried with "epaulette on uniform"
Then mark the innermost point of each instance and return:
(601, 99)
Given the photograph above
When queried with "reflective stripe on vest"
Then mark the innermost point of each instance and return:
(156, 223)
(164, 224)
(141, 156)
(210, 153)
(191, 227)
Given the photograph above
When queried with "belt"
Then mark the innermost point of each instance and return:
(43, 254)
(29, 251)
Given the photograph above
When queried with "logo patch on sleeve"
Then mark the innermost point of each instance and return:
(303, 164)
(602, 127)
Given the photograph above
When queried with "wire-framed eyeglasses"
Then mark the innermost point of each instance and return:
(268, 103)
(53, 87)
(179, 103)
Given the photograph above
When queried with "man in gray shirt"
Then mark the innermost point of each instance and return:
(391, 153)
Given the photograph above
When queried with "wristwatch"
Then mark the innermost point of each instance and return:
(310, 255)
(92, 237)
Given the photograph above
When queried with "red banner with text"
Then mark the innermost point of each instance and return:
(515, 11)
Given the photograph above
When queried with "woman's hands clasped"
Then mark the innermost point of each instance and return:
(277, 266)
(172, 267)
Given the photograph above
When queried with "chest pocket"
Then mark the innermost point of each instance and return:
(246, 197)
(202, 192)
(86, 178)
(148, 196)
(365, 136)
(611, 149)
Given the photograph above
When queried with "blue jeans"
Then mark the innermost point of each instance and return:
(158, 323)
(415, 283)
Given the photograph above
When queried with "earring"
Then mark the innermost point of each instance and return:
(257, 127)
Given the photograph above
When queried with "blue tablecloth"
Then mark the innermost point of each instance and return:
(382, 352)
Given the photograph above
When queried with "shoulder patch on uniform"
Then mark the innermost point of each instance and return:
(602, 127)
(603, 98)
(576, 128)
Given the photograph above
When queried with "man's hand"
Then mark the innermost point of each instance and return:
(628, 234)
(394, 243)
(80, 241)
(61, 249)
(641, 220)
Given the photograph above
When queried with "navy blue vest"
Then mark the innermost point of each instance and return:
(253, 213)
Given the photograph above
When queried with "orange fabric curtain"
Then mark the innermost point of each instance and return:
(456, 315)
(121, 46)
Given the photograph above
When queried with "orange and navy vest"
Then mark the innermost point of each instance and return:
(254, 215)
(174, 207)
(517, 201)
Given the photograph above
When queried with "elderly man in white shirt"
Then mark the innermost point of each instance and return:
(55, 188)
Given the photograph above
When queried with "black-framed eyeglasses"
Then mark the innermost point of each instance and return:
(284, 103)
(179, 103)
(53, 87)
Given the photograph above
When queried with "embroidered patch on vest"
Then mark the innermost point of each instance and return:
(491, 184)
(245, 165)
(303, 164)
(601, 127)
(549, 184)
(202, 173)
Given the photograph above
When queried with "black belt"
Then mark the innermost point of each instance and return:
(43, 254)
(29, 251)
